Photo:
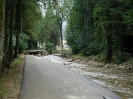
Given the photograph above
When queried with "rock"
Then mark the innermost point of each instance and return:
(121, 67)
(100, 65)
(111, 66)
(67, 63)
(71, 60)
(107, 66)
(129, 68)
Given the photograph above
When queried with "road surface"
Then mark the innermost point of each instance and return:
(43, 79)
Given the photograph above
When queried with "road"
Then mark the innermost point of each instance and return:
(43, 79)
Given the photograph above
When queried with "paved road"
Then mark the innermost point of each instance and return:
(45, 80)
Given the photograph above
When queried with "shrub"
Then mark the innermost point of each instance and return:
(94, 48)
(49, 47)
(66, 53)
(23, 41)
(120, 57)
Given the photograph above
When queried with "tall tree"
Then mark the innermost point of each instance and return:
(18, 20)
(18, 25)
(6, 39)
(109, 23)
(50, 28)
(62, 9)
(31, 22)
(80, 25)
(2, 8)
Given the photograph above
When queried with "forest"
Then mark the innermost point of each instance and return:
(103, 28)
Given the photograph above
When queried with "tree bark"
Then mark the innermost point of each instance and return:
(2, 8)
(61, 37)
(18, 26)
(11, 32)
(109, 48)
(7, 31)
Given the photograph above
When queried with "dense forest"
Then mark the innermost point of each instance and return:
(94, 27)
(103, 28)
(19, 28)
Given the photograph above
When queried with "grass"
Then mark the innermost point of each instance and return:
(11, 79)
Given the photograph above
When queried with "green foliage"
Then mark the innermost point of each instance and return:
(75, 41)
(49, 47)
(50, 29)
(99, 57)
(16, 62)
(120, 57)
(129, 62)
(23, 41)
(32, 18)
(101, 28)
(45, 52)
(20, 16)
(94, 48)
(80, 33)
(66, 53)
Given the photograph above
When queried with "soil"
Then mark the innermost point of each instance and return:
(10, 82)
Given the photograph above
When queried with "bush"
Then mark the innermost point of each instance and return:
(129, 62)
(100, 57)
(66, 53)
(120, 57)
(94, 48)
(49, 47)
(23, 41)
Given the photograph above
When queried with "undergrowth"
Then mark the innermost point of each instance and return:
(10, 81)
(124, 59)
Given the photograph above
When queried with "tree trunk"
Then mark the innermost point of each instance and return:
(84, 23)
(119, 39)
(109, 48)
(61, 37)
(2, 8)
(18, 26)
(11, 32)
(6, 38)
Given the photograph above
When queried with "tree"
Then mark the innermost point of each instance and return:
(59, 10)
(18, 25)
(17, 20)
(1, 32)
(50, 29)
(109, 23)
(62, 9)
(101, 26)
(32, 22)
(80, 25)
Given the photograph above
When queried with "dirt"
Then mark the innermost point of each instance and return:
(10, 82)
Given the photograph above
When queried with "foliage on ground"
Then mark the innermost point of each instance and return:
(11, 79)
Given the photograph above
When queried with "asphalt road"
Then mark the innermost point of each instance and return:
(46, 80)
